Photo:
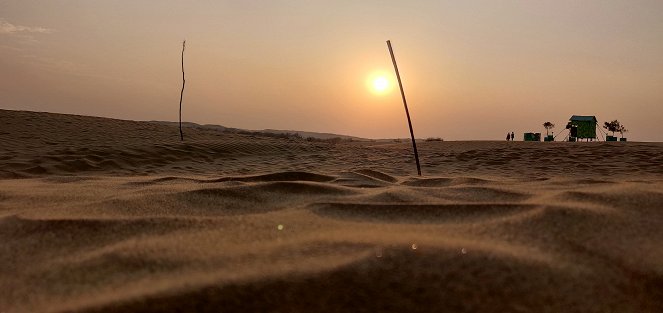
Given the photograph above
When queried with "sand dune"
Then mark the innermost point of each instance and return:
(101, 215)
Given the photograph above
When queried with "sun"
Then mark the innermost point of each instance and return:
(379, 84)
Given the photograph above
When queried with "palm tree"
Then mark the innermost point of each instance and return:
(548, 126)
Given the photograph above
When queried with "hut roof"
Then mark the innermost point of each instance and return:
(584, 118)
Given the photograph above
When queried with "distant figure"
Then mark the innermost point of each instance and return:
(507, 136)
(512, 136)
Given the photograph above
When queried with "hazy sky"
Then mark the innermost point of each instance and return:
(471, 69)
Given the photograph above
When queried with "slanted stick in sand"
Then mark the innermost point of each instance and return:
(182, 92)
(407, 112)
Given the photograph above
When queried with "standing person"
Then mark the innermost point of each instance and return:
(507, 136)
(512, 136)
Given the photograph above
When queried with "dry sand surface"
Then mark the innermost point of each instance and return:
(103, 215)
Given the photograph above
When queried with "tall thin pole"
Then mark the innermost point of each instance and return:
(407, 112)
(182, 92)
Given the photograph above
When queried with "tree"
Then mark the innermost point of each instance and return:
(622, 130)
(548, 126)
(613, 126)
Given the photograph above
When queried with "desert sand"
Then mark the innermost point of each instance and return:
(104, 215)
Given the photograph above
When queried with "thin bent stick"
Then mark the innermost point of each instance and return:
(407, 112)
(182, 92)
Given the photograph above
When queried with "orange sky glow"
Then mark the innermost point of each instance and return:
(472, 70)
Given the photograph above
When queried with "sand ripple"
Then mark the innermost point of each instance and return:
(300, 241)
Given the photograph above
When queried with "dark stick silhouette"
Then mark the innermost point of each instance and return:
(182, 92)
(407, 112)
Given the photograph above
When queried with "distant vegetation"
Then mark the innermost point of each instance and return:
(614, 126)
(434, 139)
(548, 126)
(622, 130)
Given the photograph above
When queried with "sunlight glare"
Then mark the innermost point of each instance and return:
(379, 84)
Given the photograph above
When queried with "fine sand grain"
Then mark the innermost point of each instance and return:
(103, 215)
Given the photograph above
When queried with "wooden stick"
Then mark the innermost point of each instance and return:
(407, 112)
(182, 92)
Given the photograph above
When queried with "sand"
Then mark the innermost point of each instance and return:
(103, 215)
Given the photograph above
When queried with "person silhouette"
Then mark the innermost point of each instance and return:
(512, 136)
(507, 136)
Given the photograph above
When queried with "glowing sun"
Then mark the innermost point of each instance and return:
(380, 84)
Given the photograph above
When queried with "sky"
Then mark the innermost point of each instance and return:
(471, 70)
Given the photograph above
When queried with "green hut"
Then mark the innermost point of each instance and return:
(585, 126)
